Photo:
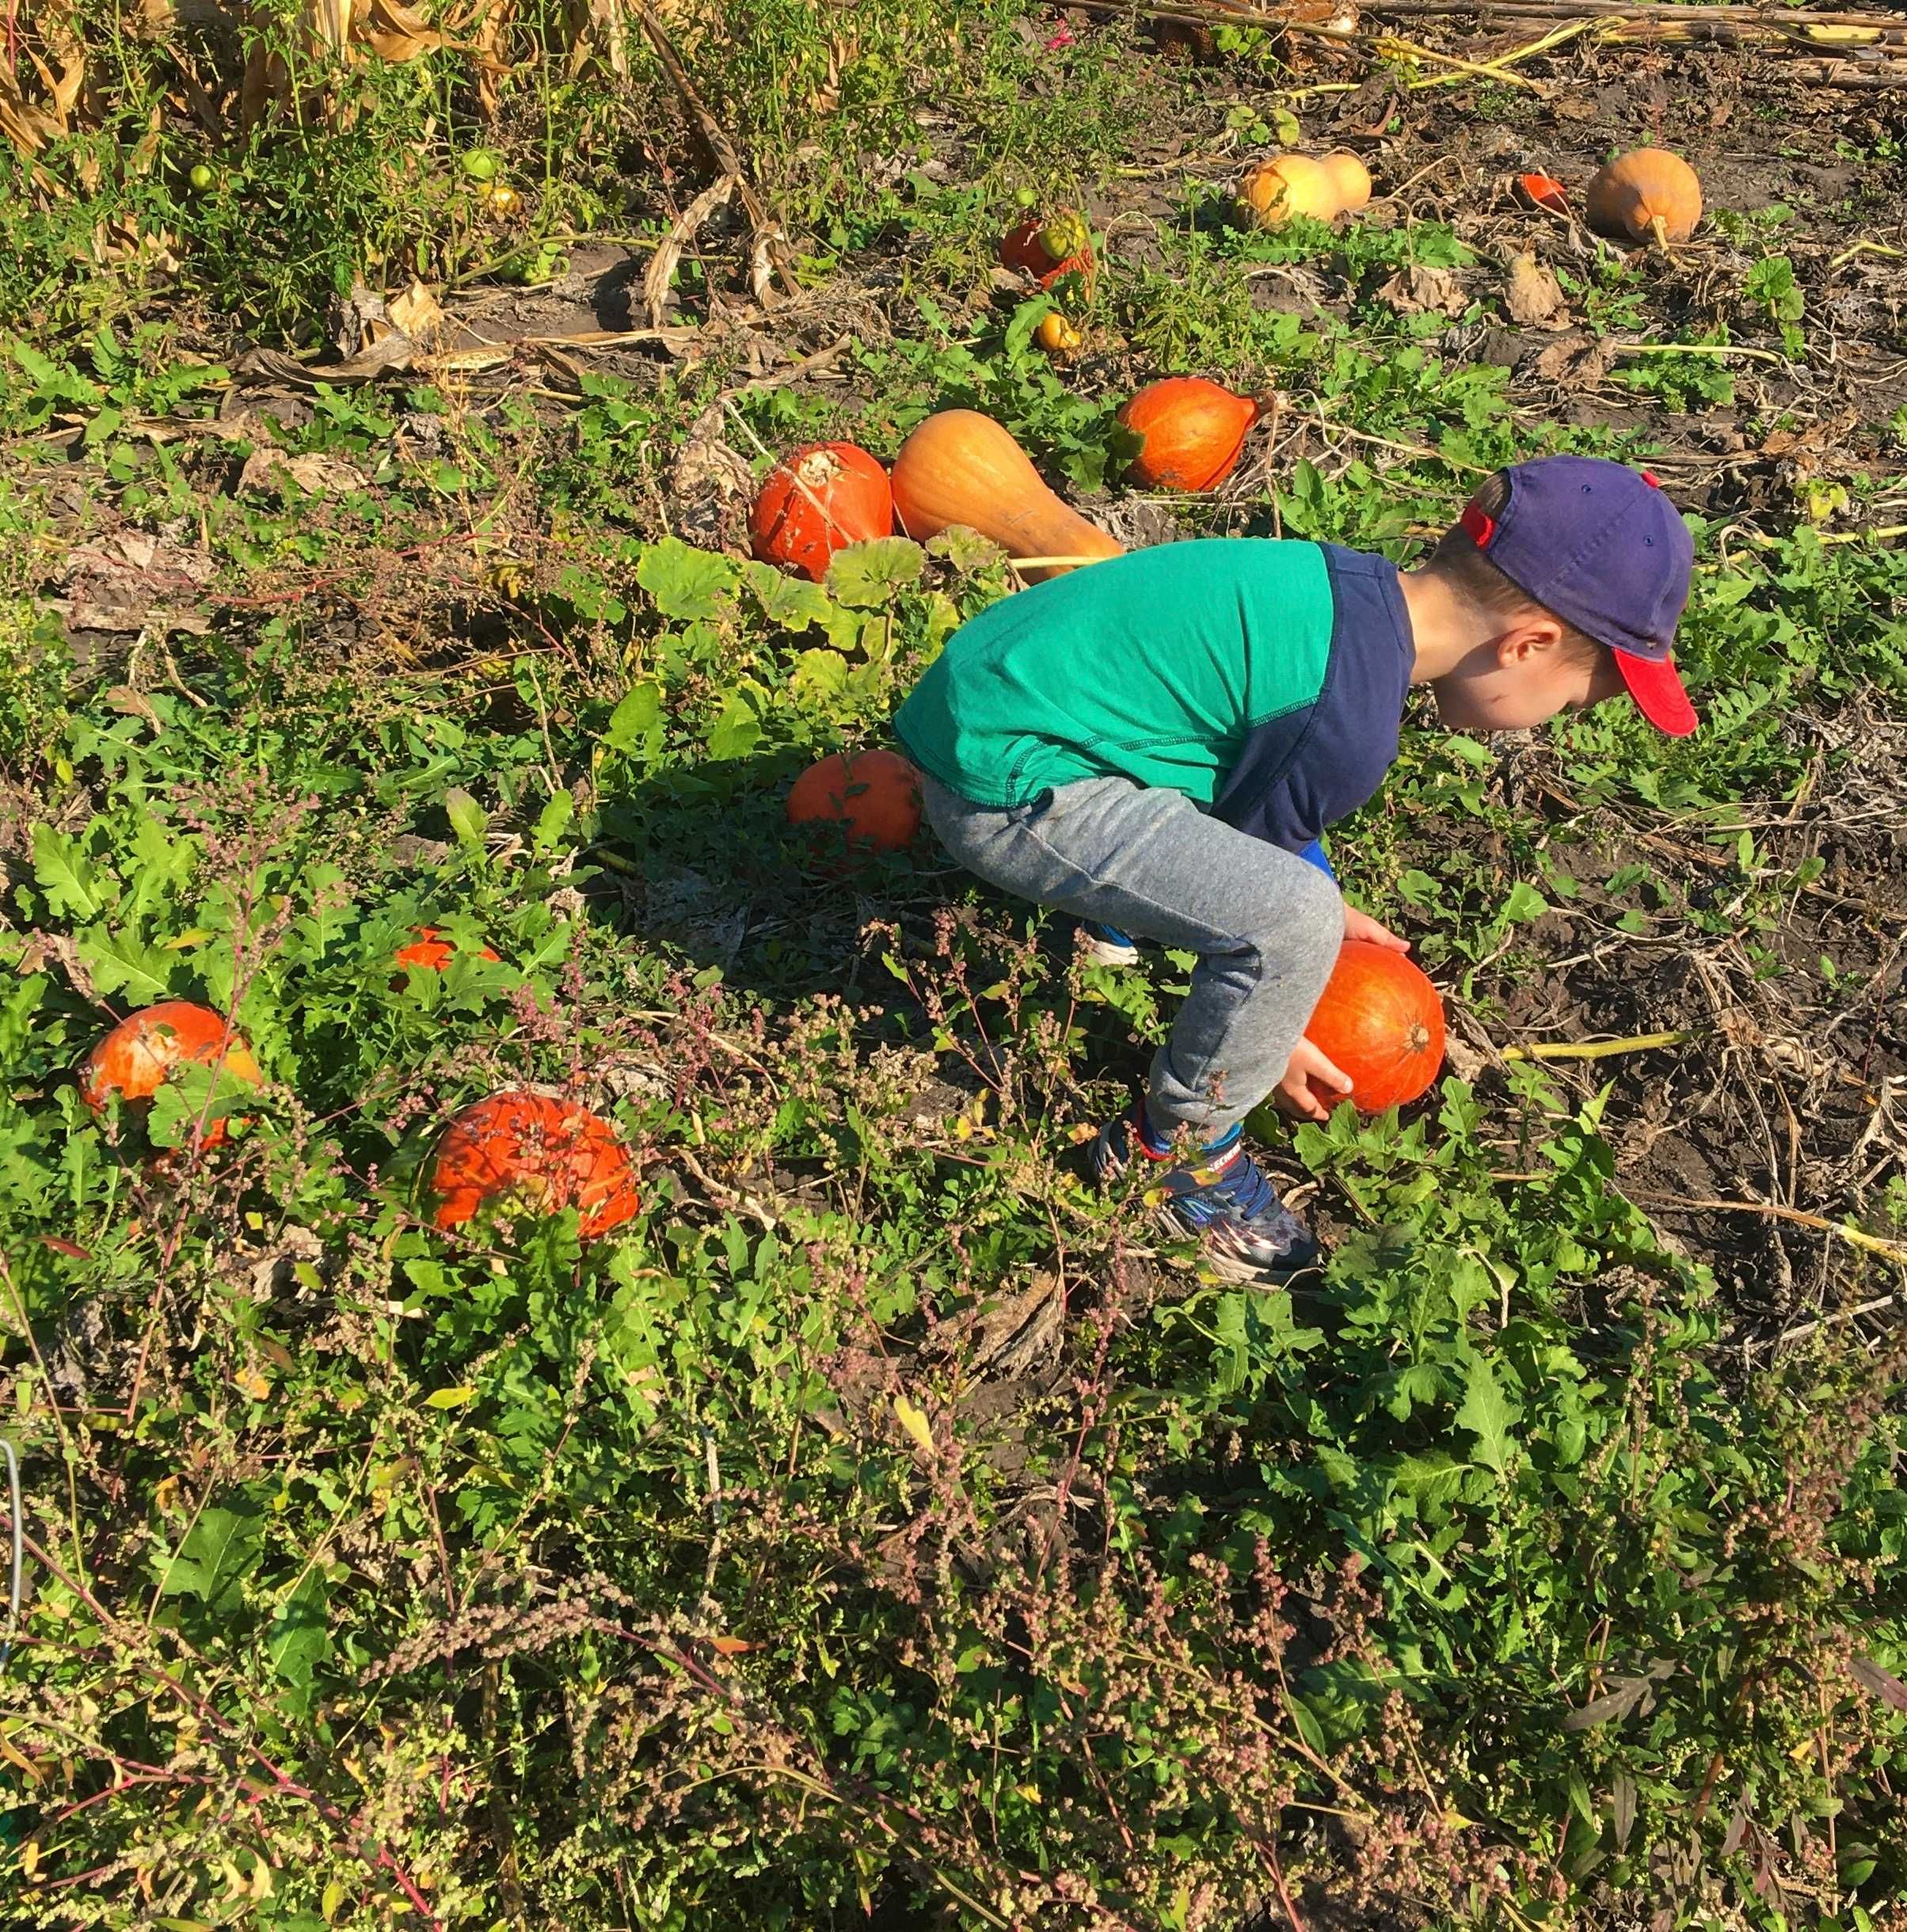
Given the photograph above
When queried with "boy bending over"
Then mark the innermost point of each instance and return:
(1154, 743)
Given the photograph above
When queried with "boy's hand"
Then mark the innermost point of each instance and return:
(1361, 925)
(1298, 1094)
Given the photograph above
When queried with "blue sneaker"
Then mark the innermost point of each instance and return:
(1106, 946)
(1222, 1200)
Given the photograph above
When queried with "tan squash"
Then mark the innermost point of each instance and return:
(962, 467)
(1350, 177)
(1275, 190)
(1647, 192)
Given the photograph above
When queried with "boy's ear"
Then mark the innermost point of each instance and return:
(1526, 636)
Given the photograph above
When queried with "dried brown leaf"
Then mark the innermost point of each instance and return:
(131, 581)
(656, 282)
(1878, 1682)
(1533, 297)
(1576, 361)
(418, 313)
(317, 473)
(1418, 290)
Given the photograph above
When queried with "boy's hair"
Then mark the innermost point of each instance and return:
(1467, 571)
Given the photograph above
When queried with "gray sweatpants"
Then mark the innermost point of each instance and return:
(1265, 924)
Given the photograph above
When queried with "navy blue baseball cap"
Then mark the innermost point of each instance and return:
(1600, 545)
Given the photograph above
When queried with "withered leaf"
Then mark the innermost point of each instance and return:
(1416, 290)
(1533, 296)
(1576, 361)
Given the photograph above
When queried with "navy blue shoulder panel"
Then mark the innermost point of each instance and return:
(1299, 773)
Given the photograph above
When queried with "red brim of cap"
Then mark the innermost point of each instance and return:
(1656, 685)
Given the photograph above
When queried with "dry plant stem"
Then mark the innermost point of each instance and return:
(1893, 1251)
(721, 150)
(1594, 1049)
(1865, 248)
(1575, 9)
(1844, 1315)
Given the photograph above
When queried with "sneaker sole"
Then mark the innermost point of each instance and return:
(1103, 952)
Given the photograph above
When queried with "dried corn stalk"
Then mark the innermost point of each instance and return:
(342, 31)
(599, 29)
(37, 105)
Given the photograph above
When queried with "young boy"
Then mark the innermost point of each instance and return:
(1153, 744)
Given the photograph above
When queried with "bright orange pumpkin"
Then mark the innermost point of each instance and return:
(432, 951)
(1193, 432)
(1544, 191)
(134, 1059)
(817, 501)
(1047, 247)
(962, 467)
(1381, 1021)
(534, 1151)
(874, 795)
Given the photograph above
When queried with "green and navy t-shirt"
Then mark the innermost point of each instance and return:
(1265, 680)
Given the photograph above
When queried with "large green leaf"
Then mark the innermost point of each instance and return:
(121, 963)
(1488, 1413)
(298, 1640)
(869, 576)
(223, 1546)
(76, 888)
(686, 582)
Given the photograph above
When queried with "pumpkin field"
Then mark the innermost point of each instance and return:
(562, 1361)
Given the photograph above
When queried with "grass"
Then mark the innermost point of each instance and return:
(879, 1525)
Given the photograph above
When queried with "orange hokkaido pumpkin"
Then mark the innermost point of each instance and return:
(1047, 247)
(962, 467)
(1381, 1021)
(432, 951)
(134, 1059)
(1646, 192)
(1192, 431)
(534, 1151)
(874, 795)
(817, 501)
(1544, 191)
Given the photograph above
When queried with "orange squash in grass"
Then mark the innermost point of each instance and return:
(817, 501)
(1381, 1021)
(432, 951)
(1047, 247)
(1648, 193)
(1192, 432)
(962, 467)
(874, 795)
(135, 1059)
(534, 1151)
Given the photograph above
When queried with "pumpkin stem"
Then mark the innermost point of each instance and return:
(1659, 229)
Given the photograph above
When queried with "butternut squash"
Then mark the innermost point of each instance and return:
(1271, 194)
(962, 467)
(1350, 177)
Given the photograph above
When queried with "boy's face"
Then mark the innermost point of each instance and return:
(1524, 675)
